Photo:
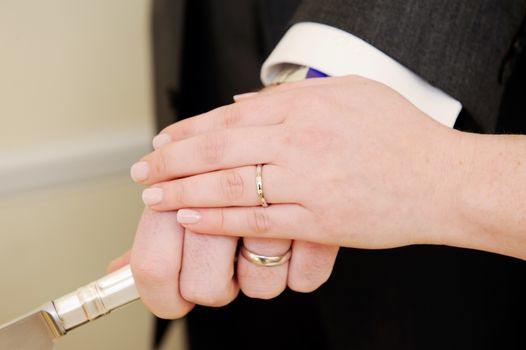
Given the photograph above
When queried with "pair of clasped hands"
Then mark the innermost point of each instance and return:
(347, 162)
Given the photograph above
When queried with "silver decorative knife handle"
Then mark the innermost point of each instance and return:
(96, 299)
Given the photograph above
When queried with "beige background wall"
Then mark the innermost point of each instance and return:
(72, 67)
(75, 112)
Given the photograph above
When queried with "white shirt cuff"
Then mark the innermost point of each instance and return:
(338, 53)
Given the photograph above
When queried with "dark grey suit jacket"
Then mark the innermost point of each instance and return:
(459, 46)
(420, 297)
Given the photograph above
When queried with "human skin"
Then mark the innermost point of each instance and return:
(347, 162)
(175, 268)
(205, 274)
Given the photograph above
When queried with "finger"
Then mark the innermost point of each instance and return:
(310, 265)
(263, 282)
(244, 96)
(247, 113)
(285, 221)
(209, 152)
(156, 263)
(207, 274)
(279, 88)
(119, 262)
(256, 108)
(225, 188)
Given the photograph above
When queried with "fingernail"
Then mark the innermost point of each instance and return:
(139, 171)
(151, 196)
(244, 96)
(161, 140)
(188, 216)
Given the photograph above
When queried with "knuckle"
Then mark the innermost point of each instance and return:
(230, 116)
(306, 283)
(221, 221)
(150, 272)
(312, 272)
(302, 286)
(258, 294)
(179, 193)
(186, 130)
(149, 275)
(213, 148)
(161, 162)
(232, 185)
(171, 312)
(258, 221)
(203, 293)
(258, 290)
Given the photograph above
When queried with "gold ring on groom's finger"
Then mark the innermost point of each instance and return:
(259, 185)
(264, 260)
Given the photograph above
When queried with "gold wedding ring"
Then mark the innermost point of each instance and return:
(263, 260)
(259, 185)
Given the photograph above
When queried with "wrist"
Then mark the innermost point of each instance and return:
(487, 208)
(456, 221)
(444, 220)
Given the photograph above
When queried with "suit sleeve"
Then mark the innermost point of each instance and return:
(458, 46)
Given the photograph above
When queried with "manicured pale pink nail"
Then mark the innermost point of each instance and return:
(139, 171)
(188, 216)
(152, 196)
(161, 140)
(244, 96)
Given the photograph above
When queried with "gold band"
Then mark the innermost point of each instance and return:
(259, 186)
(263, 260)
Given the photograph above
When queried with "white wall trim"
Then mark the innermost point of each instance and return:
(66, 161)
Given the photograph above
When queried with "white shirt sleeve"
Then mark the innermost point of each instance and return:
(338, 53)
